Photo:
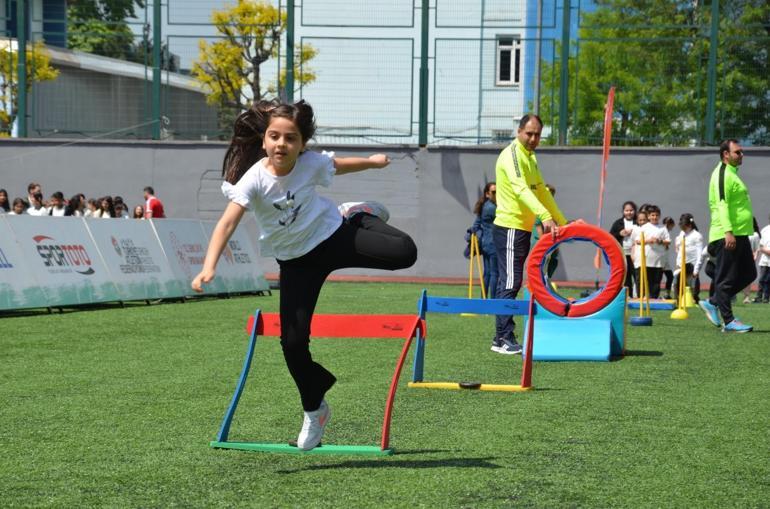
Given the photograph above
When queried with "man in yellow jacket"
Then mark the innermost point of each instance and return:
(521, 198)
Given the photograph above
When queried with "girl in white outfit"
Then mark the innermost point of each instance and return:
(693, 249)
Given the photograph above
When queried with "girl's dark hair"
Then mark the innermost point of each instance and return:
(629, 202)
(756, 225)
(653, 208)
(687, 219)
(72, 206)
(668, 220)
(110, 205)
(644, 207)
(4, 205)
(21, 201)
(249, 130)
(480, 203)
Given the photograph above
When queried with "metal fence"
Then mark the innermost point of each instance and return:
(427, 72)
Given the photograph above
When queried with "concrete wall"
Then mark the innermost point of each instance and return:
(429, 193)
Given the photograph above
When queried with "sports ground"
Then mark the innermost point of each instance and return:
(125, 419)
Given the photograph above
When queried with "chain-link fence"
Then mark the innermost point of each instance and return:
(429, 72)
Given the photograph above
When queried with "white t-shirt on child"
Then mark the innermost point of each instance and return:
(636, 249)
(764, 260)
(654, 253)
(293, 219)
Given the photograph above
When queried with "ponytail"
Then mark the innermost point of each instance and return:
(249, 130)
(688, 219)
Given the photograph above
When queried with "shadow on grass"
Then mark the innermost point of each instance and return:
(643, 353)
(396, 463)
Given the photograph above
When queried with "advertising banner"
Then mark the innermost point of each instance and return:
(184, 244)
(238, 266)
(135, 260)
(63, 259)
(18, 287)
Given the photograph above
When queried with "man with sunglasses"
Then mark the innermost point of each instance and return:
(732, 221)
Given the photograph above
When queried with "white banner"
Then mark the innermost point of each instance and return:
(63, 259)
(18, 287)
(238, 266)
(136, 262)
(184, 244)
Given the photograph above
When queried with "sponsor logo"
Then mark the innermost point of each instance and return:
(189, 256)
(4, 263)
(138, 259)
(63, 258)
(116, 246)
(237, 253)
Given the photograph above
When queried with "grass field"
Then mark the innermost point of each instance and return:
(115, 407)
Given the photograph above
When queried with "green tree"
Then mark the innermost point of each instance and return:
(656, 55)
(743, 72)
(101, 27)
(38, 69)
(229, 69)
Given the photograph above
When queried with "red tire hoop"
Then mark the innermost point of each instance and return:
(613, 254)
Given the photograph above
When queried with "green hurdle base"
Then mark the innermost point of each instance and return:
(360, 450)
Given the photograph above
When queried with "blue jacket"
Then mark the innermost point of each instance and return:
(482, 227)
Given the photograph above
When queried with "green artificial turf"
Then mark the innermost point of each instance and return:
(116, 407)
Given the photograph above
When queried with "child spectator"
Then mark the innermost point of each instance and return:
(19, 207)
(5, 205)
(537, 232)
(693, 249)
(138, 212)
(485, 210)
(36, 207)
(656, 239)
(754, 239)
(636, 249)
(668, 222)
(120, 210)
(92, 206)
(763, 294)
(106, 208)
(33, 188)
(57, 208)
(621, 230)
(75, 206)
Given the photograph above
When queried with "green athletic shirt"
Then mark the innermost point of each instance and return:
(521, 192)
(729, 203)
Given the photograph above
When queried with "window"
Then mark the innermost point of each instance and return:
(508, 61)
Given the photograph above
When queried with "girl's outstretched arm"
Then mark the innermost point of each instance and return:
(352, 164)
(222, 232)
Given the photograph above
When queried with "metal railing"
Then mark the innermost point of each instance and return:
(425, 72)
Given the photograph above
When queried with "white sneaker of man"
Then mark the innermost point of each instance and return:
(313, 427)
(375, 208)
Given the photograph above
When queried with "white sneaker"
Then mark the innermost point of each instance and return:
(313, 427)
(375, 208)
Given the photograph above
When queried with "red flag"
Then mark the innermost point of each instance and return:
(608, 112)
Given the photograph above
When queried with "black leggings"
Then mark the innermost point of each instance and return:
(365, 242)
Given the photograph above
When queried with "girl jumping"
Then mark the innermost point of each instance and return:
(268, 171)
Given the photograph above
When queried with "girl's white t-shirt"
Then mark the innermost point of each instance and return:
(636, 249)
(693, 247)
(628, 243)
(764, 260)
(293, 219)
(655, 253)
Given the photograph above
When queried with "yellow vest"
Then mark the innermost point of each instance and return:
(521, 193)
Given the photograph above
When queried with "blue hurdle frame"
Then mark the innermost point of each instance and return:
(459, 305)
